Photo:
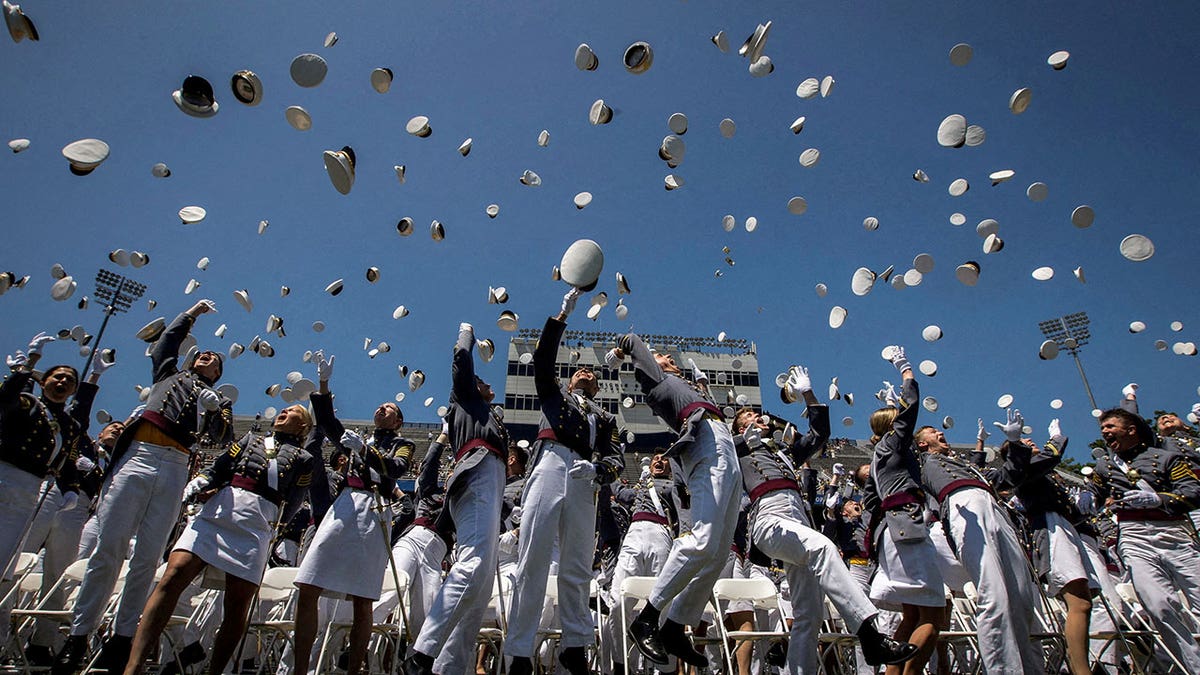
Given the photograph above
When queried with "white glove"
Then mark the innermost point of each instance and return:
(1054, 429)
(900, 360)
(1196, 409)
(69, 501)
(19, 359)
(839, 469)
(514, 516)
(1130, 390)
(582, 471)
(352, 441)
(697, 375)
(100, 365)
(611, 359)
(209, 400)
(799, 381)
(445, 426)
(194, 488)
(1012, 428)
(466, 327)
(1141, 499)
(84, 465)
(324, 366)
(752, 435)
(38, 342)
(983, 432)
(890, 397)
(568, 303)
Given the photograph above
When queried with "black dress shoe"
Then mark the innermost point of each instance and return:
(646, 636)
(114, 656)
(521, 665)
(574, 659)
(189, 656)
(39, 656)
(886, 651)
(71, 657)
(677, 644)
(418, 664)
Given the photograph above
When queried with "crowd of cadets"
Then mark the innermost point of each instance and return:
(887, 543)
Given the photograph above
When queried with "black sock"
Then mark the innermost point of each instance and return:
(867, 631)
(649, 615)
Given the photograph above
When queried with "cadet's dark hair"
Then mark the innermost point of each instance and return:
(1145, 433)
(62, 366)
(519, 453)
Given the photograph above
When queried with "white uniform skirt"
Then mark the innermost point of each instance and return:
(908, 574)
(232, 533)
(1068, 556)
(349, 552)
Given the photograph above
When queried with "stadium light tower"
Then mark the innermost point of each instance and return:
(118, 294)
(1070, 332)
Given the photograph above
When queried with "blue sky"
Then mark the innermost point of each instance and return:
(1117, 129)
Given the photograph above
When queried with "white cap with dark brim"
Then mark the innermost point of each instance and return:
(381, 80)
(190, 215)
(581, 264)
(585, 58)
(247, 88)
(298, 118)
(85, 155)
(960, 54)
(638, 57)
(18, 144)
(195, 97)
(419, 126)
(308, 70)
(339, 165)
(19, 25)
(1137, 247)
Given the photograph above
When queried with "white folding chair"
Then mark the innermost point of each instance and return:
(390, 633)
(632, 588)
(762, 595)
(276, 593)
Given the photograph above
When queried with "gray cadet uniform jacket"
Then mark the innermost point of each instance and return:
(172, 405)
(674, 501)
(673, 399)
(942, 475)
(769, 467)
(1168, 472)
(275, 467)
(36, 435)
(385, 456)
(1029, 476)
(575, 421)
(475, 429)
(895, 484)
(431, 498)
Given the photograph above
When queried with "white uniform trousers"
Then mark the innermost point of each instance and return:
(988, 547)
(814, 566)
(87, 540)
(142, 497)
(554, 505)
(419, 554)
(19, 493)
(644, 551)
(453, 622)
(1163, 561)
(57, 532)
(714, 480)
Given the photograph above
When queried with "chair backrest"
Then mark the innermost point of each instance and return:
(25, 562)
(278, 584)
(760, 592)
(75, 570)
(638, 587)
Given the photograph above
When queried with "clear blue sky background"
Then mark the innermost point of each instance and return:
(1118, 129)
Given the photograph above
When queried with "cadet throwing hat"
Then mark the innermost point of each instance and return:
(195, 97)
